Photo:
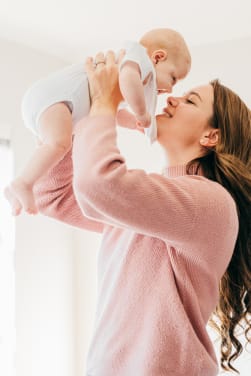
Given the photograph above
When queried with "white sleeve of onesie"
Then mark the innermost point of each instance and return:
(137, 53)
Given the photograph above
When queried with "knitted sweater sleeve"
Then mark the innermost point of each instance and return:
(55, 197)
(168, 208)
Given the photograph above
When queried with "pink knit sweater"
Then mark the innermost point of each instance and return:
(167, 240)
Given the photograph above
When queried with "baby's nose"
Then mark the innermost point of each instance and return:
(172, 101)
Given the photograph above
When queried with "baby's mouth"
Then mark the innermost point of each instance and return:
(162, 91)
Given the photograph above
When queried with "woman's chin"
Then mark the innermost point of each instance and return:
(162, 120)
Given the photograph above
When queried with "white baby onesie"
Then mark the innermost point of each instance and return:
(70, 85)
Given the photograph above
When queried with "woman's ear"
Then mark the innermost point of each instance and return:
(210, 139)
(158, 55)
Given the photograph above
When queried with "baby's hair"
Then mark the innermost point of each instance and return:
(167, 39)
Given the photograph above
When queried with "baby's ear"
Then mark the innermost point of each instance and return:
(159, 55)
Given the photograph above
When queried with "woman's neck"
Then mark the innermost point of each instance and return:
(179, 159)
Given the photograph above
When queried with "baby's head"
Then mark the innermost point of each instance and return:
(170, 55)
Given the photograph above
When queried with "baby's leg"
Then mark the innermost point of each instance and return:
(56, 136)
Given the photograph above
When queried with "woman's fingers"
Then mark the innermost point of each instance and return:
(100, 61)
(99, 58)
(102, 73)
(110, 58)
(89, 65)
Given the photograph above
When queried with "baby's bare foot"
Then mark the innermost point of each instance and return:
(13, 201)
(24, 195)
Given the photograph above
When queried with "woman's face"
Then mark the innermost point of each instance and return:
(185, 120)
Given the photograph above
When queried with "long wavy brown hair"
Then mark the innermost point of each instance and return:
(230, 165)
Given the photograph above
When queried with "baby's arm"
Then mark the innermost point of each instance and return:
(131, 87)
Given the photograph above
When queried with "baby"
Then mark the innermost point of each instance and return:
(53, 106)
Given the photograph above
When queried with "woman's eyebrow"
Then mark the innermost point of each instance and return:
(194, 93)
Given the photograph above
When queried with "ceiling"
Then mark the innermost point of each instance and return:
(73, 29)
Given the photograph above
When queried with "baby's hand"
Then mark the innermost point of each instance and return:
(126, 119)
(143, 120)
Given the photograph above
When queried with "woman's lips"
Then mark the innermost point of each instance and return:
(167, 112)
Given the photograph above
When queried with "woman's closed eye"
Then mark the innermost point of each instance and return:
(189, 101)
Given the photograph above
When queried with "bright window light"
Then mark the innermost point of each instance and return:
(7, 289)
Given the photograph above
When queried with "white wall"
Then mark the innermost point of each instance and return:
(87, 245)
(43, 257)
(56, 267)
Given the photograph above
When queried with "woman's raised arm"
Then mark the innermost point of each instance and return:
(55, 197)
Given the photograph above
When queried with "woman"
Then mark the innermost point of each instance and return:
(175, 245)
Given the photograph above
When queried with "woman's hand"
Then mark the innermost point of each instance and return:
(103, 75)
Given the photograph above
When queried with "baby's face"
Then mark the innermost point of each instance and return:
(168, 72)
